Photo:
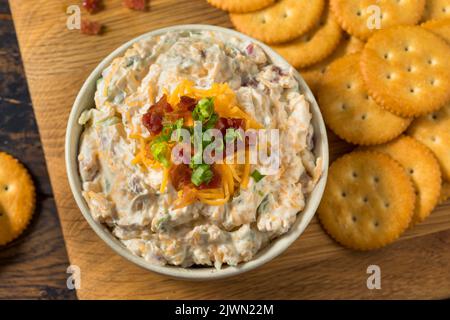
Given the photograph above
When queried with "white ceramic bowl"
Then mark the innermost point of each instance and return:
(85, 99)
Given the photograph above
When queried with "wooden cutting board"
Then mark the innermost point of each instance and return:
(57, 61)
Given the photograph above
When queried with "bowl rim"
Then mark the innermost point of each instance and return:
(274, 248)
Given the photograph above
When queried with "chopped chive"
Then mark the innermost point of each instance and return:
(257, 176)
(203, 110)
(159, 152)
(202, 174)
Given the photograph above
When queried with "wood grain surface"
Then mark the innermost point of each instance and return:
(34, 265)
(57, 61)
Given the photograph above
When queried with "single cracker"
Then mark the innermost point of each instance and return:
(241, 6)
(360, 17)
(423, 168)
(433, 130)
(445, 192)
(439, 27)
(17, 198)
(313, 46)
(407, 70)
(348, 109)
(282, 22)
(368, 200)
(437, 9)
(313, 74)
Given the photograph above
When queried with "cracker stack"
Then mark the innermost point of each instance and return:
(379, 68)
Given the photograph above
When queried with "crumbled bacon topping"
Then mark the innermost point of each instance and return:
(153, 122)
(92, 6)
(153, 119)
(90, 27)
(162, 105)
(225, 123)
(187, 103)
(180, 176)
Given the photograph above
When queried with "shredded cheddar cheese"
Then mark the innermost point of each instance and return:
(151, 96)
(233, 176)
(165, 180)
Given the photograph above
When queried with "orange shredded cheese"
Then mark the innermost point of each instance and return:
(165, 180)
(151, 96)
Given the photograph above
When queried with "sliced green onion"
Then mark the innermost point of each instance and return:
(178, 126)
(203, 110)
(159, 152)
(196, 160)
(257, 176)
(211, 121)
(202, 174)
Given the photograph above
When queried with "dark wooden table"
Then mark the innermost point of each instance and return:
(33, 266)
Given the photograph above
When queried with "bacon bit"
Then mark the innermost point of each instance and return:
(186, 103)
(225, 123)
(180, 176)
(163, 105)
(153, 119)
(91, 28)
(92, 6)
(153, 122)
(135, 4)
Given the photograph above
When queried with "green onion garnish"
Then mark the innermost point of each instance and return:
(159, 152)
(203, 110)
(257, 176)
(202, 174)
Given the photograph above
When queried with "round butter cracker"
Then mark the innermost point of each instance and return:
(313, 46)
(313, 74)
(439, 27)
(407, 70)
(433, 130)
(357, 16)
(445, 192)
(241, 6)
(284, 21)
(437, 9)
(349, 111)
(423, 168)
(368, 200)
(17, 198)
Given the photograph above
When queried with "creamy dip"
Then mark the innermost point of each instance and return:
(127, 199)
